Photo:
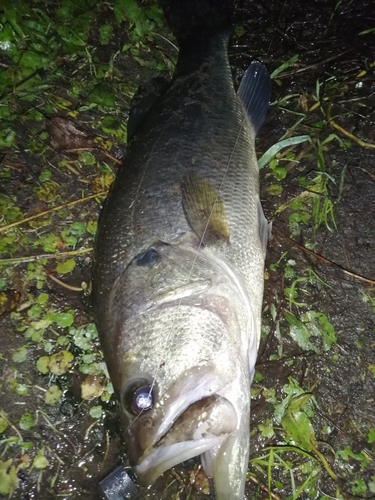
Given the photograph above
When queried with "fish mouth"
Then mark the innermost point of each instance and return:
(201, 429)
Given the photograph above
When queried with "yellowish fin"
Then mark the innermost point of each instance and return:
(204, 210)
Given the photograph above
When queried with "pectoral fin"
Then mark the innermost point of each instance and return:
(204, 210)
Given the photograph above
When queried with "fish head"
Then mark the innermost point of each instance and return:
(182, 365)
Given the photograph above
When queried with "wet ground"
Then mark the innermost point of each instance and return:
(62, 137)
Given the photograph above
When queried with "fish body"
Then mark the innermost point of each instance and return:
(179, 261)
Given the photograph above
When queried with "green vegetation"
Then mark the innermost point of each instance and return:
(64, 101)
(69, 72)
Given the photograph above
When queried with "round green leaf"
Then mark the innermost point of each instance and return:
(60, 362)
(53, 395)
(66, 266)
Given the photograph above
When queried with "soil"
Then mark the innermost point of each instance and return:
(332, 261)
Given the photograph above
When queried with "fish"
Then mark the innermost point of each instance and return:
(179, 257)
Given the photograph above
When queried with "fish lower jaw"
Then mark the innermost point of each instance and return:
(163, 458)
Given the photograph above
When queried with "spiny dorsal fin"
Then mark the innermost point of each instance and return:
(204, 210)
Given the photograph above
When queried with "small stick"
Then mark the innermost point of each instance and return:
(324, 259)
(51, 210)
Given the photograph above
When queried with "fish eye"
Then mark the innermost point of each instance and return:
(139, 397)
(143, 399)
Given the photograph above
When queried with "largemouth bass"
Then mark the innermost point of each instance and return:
(179, 261)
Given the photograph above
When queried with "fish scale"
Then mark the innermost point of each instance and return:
(179, 262)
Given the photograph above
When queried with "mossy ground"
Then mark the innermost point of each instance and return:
(68, 73)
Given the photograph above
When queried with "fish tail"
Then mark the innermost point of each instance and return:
(191, 18)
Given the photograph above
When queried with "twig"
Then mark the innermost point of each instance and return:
(324, 259)
(31, 258)
(353, 137)
(51, 210)
(65, 285)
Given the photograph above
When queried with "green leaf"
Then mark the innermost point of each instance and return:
(70, 240)
(8, 477)
(53, 395)
(78, 228)
(65, 267)
(371, 436)
(280, 173)
(275, 189)
(285, 143)
(40, 461)
(102, 95)
(299, 332)
(60, 362)
(105, 33)
(319, 325)
(92, 226)
(45, 175)
(63, 319)
(27, 421)
(43, 364)
(20, 354)
(359, 487)
(302, 216)
(21, 389)
(91, 331)
(48, 346)
(284, 66)
(130, 11)
(88, 358)
(7, 137)
(96, 411)
(361, 457)
(266, 428)
(366, 32)
(3, 421)
(86, 158)
(62, 340)
(42, 298)
(49, 242)
(292, 389)
(35, 311)
(297, 424)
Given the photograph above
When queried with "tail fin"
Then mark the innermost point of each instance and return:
(188, 18)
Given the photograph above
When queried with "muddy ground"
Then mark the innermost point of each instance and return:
(63, 135)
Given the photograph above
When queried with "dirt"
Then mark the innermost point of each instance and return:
(333, 261)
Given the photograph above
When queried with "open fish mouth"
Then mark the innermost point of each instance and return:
(199, 430)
